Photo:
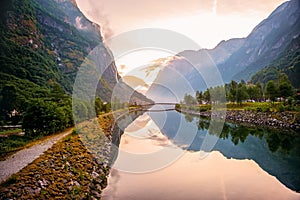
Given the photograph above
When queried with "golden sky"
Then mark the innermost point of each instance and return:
(205, 21)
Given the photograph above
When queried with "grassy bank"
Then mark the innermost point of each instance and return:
(263, 107)
(248, 106)
(13, 143)
(10, 132)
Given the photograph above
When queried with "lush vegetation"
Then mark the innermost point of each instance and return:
(40, 52)
(239, 92)
(48, 115)
(41, 49)
(278, 95)
(39, 56)
(11, 131)
(43, 115)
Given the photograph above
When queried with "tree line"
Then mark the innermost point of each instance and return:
(44, 111)
(238, 92)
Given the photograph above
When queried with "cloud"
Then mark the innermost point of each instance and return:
(115, 16)
(215, 7)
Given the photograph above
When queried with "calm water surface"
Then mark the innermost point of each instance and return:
(159, 158)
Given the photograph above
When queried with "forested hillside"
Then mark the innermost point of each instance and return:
(43, 43)
(39, 44)
(288, 63)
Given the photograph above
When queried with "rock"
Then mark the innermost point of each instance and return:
(96, 194)
(76, 183)
(43, 183)
(95, 175)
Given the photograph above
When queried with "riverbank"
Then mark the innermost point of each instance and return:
(13, 143)
(275, 120)
(14, 163)
(66, 171)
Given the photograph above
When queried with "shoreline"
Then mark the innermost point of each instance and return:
(274, 120)
(67, 170)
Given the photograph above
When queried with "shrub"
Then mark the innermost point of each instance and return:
(281, 108)
(265, 109)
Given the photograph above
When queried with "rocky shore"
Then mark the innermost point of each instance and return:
(277, 120)
(66, 171)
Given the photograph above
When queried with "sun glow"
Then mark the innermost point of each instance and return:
(208, 29)
(206, 22)
(140, 68)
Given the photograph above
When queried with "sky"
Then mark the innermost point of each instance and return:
(207, 22)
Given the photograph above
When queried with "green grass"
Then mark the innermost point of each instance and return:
(262, 106)
(8, 132)
(201, 108)
(13, 143)
(248, 106)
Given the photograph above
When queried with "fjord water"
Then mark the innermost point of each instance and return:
(245, 163)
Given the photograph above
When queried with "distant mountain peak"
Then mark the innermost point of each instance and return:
(237, 58)
(265, 43)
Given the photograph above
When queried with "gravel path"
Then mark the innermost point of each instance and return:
(21, 159)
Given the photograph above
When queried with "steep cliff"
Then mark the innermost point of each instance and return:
(272, 43)
(265, 43)
(46, 41)
(288, 63)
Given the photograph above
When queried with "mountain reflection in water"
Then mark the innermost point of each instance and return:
(245, 163)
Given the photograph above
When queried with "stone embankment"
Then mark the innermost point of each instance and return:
(65, 171)
(68, 170)
(278, 120)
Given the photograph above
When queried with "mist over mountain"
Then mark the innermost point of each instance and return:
(265, 43)
(238, 58)
(287, 63)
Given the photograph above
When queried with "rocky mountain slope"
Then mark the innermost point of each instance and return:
(288, 63)
(237, 58)
(265, 43)
(44, 42)
(185, 72)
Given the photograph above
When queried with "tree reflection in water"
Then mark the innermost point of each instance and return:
(276, 139)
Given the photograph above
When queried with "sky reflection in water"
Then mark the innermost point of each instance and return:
(238, 168)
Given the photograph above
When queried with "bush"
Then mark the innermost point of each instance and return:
(204, 108)
(281, 108)
(45, 117)
(266, 109)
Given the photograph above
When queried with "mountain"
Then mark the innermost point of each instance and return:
(265, 43)
(225, 49)
(287, 63)
(43, 42)
(186, 71)
(218, 54)
(236, 58)
(39, 44)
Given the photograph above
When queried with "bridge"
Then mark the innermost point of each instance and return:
(159, 110)
(159, 104)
